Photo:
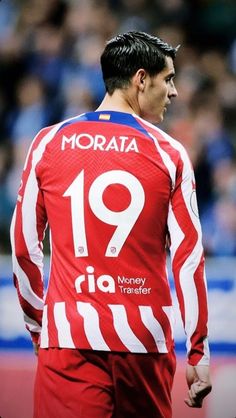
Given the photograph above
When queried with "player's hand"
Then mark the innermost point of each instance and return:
(36, 348)
(199, 383)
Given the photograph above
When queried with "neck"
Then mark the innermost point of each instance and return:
(119, 102)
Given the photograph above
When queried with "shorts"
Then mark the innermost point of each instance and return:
(73, 383)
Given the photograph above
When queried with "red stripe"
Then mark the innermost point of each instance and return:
(29, 310)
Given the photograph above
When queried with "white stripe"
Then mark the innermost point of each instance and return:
(124, 331)
(28, 153)
(63, 326)
(29, 216)
(190, 296)
(154, 327)
(33, 326)
(177, 233)
(91, 326)
(23, 282)
(166, 160)
(190, 265)
(186, 277)
(188, 269)
(187, 283)
(44, 332)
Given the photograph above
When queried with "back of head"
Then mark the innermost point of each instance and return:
(126, 53)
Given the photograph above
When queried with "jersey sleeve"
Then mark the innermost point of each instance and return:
(27, 232)
(187, 259)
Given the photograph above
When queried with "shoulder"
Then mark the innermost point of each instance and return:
(47, 134)
(172, 143)
(53, 129)
(42, 140)
(165, 141)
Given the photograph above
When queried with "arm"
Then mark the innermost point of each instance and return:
(188, 266)
(27, 232)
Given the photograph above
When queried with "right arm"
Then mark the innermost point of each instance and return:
(188, 266)
(27, 233)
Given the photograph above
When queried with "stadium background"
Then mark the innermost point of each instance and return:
(49, 70)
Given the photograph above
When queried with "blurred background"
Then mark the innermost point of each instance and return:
(49, 71)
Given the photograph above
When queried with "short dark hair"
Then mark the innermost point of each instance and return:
(126, 53)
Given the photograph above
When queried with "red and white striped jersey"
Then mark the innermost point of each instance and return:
(111, 187)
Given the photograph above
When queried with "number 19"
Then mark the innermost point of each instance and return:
(123, 220)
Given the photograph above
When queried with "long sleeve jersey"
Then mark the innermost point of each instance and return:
(111, 187)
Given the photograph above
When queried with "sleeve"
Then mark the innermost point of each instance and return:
(27, 232)
(188, 263)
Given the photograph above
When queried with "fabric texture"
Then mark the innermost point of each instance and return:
(84, 384)
(112, 188)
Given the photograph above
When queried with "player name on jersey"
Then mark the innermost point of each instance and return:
(99, 142)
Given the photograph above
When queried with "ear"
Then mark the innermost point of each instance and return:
(139, 79)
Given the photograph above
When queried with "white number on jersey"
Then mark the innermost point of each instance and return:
(123, 220)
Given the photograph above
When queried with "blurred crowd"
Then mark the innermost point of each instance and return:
(49, 70)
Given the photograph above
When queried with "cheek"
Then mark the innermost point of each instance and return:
(160, 94)
(159, 100)
(163, 92)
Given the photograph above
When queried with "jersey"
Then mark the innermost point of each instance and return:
(112, 187)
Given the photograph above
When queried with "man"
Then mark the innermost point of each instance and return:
(112, 187)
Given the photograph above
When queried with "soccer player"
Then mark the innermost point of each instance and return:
(112, 187)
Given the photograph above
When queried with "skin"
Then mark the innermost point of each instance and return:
(36, 348)
(149, 97)
(156, 93)
(146, 96)
(199, 383)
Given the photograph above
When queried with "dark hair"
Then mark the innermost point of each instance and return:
(126, 53)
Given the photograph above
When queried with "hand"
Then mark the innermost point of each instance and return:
(198, 380)
(36, 348)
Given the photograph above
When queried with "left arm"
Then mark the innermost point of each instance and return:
(188, 266)
(27, 232)
(188, 263)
